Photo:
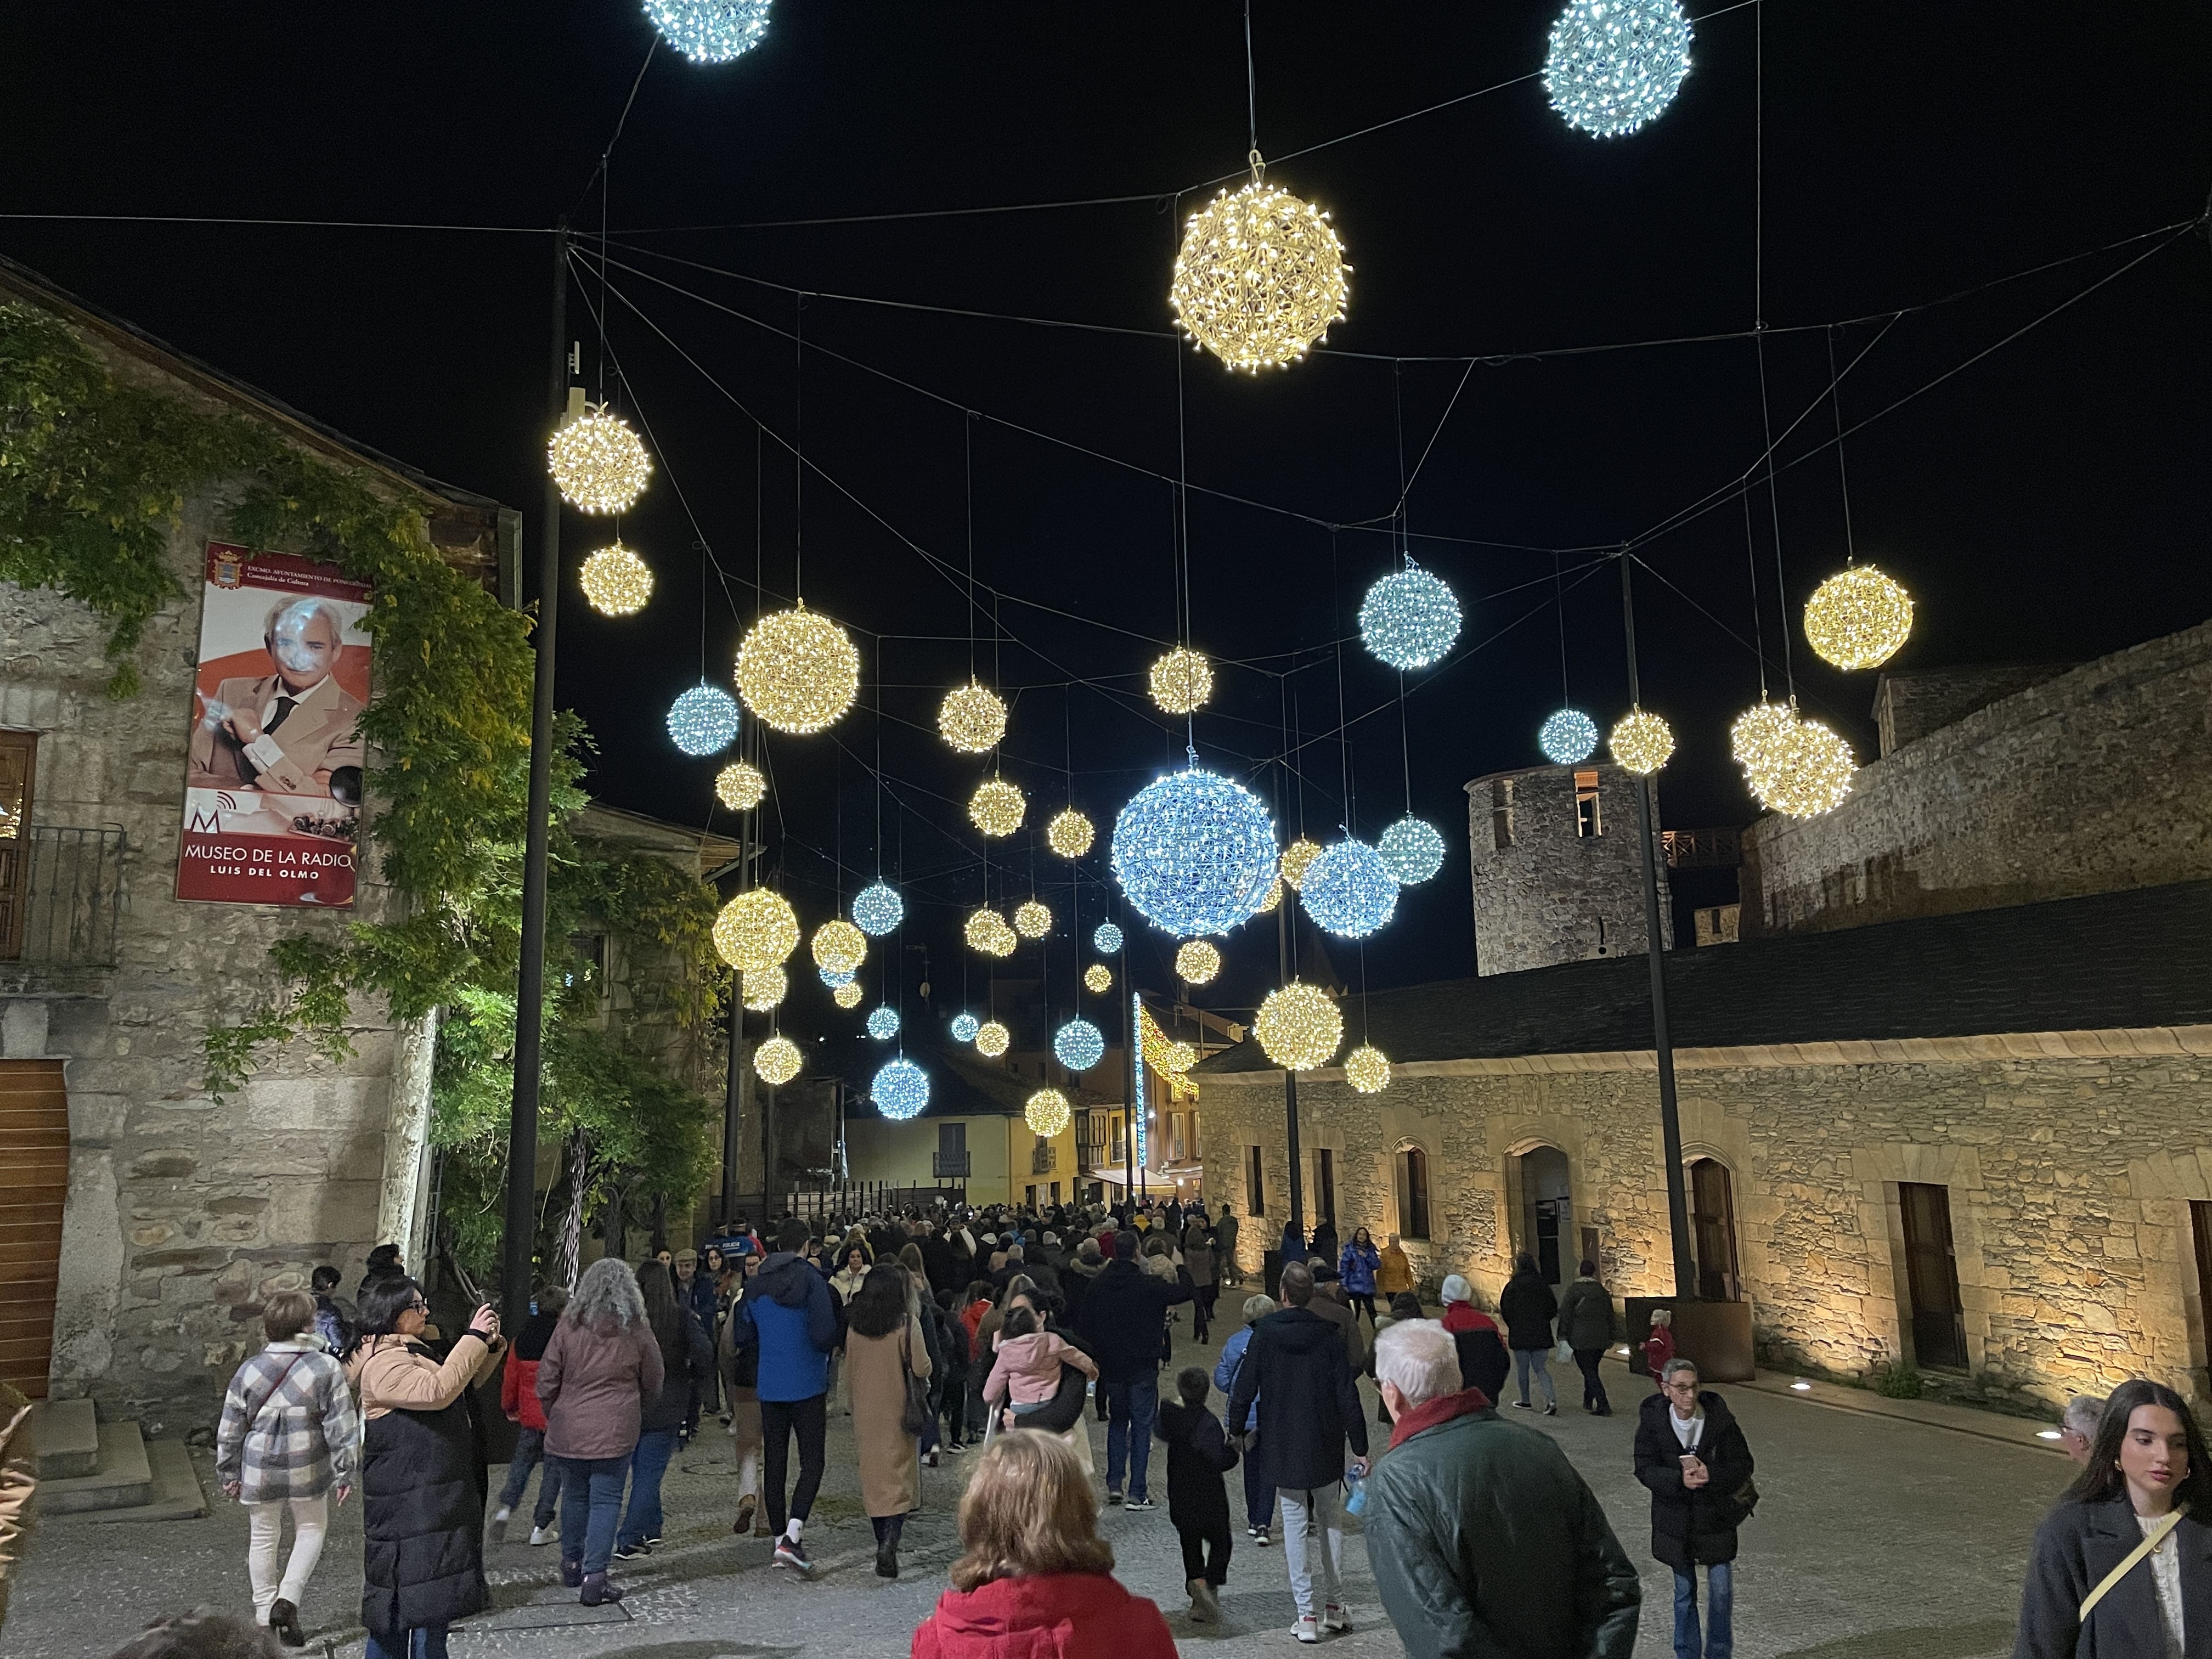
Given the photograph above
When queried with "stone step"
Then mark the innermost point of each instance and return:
(65, 1438)
(176, 1495)
(122, 1479)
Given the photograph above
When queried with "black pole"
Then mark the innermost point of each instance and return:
(516, 1285)
(1670, 1121)
(1284, 923)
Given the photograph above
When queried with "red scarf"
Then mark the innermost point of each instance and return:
(1442, 1409)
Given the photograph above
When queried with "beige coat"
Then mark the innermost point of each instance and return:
(890, 1458)
(391, 1374)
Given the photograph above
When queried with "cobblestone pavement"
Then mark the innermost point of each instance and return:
(1874, 1540)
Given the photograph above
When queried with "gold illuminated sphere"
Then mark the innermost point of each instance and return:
(1805, 770)
(1033, 920)
(992, 1039)
(1197, 961)
(755, 930)
(617, 582)
(1048, 1113)
(1642, 742)
(997, 807)
(1259, 278)
(846, 995)
(1298, 854)
(987, 931)
(1182, 681)
(1858, 619)
(1069, 834)
(1367, 1069)
(764, 987)
(1174, 1056)
(1274, 898)
(839, 947)
(598, 462)
(776, 1061)
(797, 671)
(1756, 738)
(1098, 977)
(1299, 1027)
(740, 787)
(971, 719)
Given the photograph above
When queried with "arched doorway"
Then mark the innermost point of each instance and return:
(1712, 1231)
(1547, 1213)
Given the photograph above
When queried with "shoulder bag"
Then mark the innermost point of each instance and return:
(915, 1416)
(2156, 1536)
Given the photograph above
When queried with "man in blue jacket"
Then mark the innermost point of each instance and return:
(1124, 1312)
(788, 1313)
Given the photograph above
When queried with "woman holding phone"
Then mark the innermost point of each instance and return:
(1691, 1454)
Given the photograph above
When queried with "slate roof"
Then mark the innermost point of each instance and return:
(962, 1084)
(2113, 961)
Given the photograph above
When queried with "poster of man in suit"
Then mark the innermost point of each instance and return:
(272, 787)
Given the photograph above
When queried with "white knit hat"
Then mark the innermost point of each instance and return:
(1456, 1289)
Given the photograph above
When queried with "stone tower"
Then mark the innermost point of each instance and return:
(1557, 875)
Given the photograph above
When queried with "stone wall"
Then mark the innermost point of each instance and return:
(2085, 783)
(1909, 706)
(1544, 892)
(2071, 1162)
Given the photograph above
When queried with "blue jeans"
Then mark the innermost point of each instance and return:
(646, 1466)
(1539, 1361)
(529, 1452)
(1130, 1408)
(1720, 1629)
(591, 1505)
(427, 1642)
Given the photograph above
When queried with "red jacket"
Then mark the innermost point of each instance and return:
(1465, 1317)
(1059, 1615)
(518, 1393)
(1658, 1349)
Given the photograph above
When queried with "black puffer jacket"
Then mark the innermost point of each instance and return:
(423, 1509)
(1308, 1405)
(1122, 1312)
(1692, 1525)
(1527, 1307)
(685, 1365)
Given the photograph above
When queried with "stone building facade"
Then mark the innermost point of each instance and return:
(1555, 870)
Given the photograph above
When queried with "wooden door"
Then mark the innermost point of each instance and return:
(34, 1149)
(1931, 1266)
(1712, 1224)
(19, 758)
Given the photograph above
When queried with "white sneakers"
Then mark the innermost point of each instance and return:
(543, 1534)
(1334, 1621)
(1308, 1628)
(1335, 1618)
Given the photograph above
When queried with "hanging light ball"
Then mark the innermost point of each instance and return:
(1641, 741)
(1615, 64)
(1197, 961)
(1048, 1113)
(883, 1022)
(1296, 857)
(878, 909)
(997, 807)
(964, 1027)
(901, 1089)
(1098, 978)
(1410, 619)
(798, 671)
(1069, 834)
(703, 720)
(756, 929)
(1259, 278)
(1195, 852)
(765, 988)
(971, 719)
(1174, 1056)
(1858, 619)
(1802, 769)
(776, 1061)
(846, 995)
(1567, 737)
(616, 582)
(740, 787)
(834, 977)
(598, 462)
(992, 1039)
(1760, 735)
(1299, 1027)
(710, 31)
(987, 931)
(1274, 898)
(1182, 681)
(1411, 851)
(1106, 938)
(1033, 920)
(1079, 1045)
(1350, 891)
(1367, 1069)
(841, 945)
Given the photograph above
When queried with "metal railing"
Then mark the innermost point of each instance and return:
(942, 1164)
(67, 897)
(1702, 849)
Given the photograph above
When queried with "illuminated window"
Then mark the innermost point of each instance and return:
(1587, 822)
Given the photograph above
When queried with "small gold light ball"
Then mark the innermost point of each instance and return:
(1182, 681)
(764, 987)
(846, 995)
(1259, 278)
(1174, 1056)
(1033, 920)
(776, 1061)
(992, 1039)
(1642, 742)
(755, 930)
(987, 931)
(1069, 834)
(1298, 854)
(1274, 898)
(1757, 738)
(1048, 1113)
(1098, 977)
(971, 719)
(599, 462)
(1367, 1069)
(1809, 773)
(1858, 619)
(1299, 1027)
(839, 947)
(740, 787)
(616, 582)
(1197, 961)
(798, 671)
(997, 807)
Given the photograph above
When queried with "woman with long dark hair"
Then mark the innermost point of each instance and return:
(884, 1342)
(2123, 1566)
(686, 1359)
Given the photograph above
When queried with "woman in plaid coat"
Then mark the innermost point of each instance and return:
(288, 1435)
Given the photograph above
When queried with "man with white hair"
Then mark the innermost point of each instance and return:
(1484, 1540)
(2077, 1429)
(289, 729)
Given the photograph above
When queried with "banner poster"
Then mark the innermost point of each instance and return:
(272, 788)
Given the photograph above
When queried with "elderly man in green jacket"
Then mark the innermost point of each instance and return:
(1485, 1543)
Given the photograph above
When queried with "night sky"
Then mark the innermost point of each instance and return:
(2045, 502)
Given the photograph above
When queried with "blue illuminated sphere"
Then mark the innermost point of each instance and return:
(1615, 64)
(835, 978)
(877, 909)
(964, 1027)
(703, 720)
(1411, 851)
(710, 31)
(901, 1089)
(884, 1022)
(1195, 852)
(1567, 737)
(1409, 620)
(1079, 1045)
(1108, 939)
(1349, 890)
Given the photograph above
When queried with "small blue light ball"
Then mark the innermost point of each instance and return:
(877, 909)
(1567, 737)
(1409, 620)
(1349, 891)
(1411, 851)
(1195, 852)
(710, 31)
(901, 1089)
(703, 720)
(884, 1022)
(835, 978)
(964, 1027)
(1615, 64)
(1107, 939)
(1079, 1045)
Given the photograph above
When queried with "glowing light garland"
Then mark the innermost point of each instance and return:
(740, 787)
(901, 1091)
(1299, 1027)
(1411, 851)
(710, 31)
(1259, 278)
(1048, 1114)
(703, 720)
(798, 671)
(992, 1039)
(1615, 64)
(776, 1061)
(1070, 834)
(764, 988)
(1567, 737)
(971, 719)
(1641, 741)
(1197, 961)
(1296, 857)
(878, 909)
(616, 582)
(1170, 1057)
(755, 930)
(1410, 619)
(1106, 938)
(841, 945)
(1079, 1045)
(883, 1022)
(1349, 890)
(1367, 1069)
(1098, 978)
(1033, 920)
(1182, 681)
(1858, 619)
(846, 995)
(987, 931)
(1194, 852)
(599, 462)
(997, 807)
(964, 1027)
